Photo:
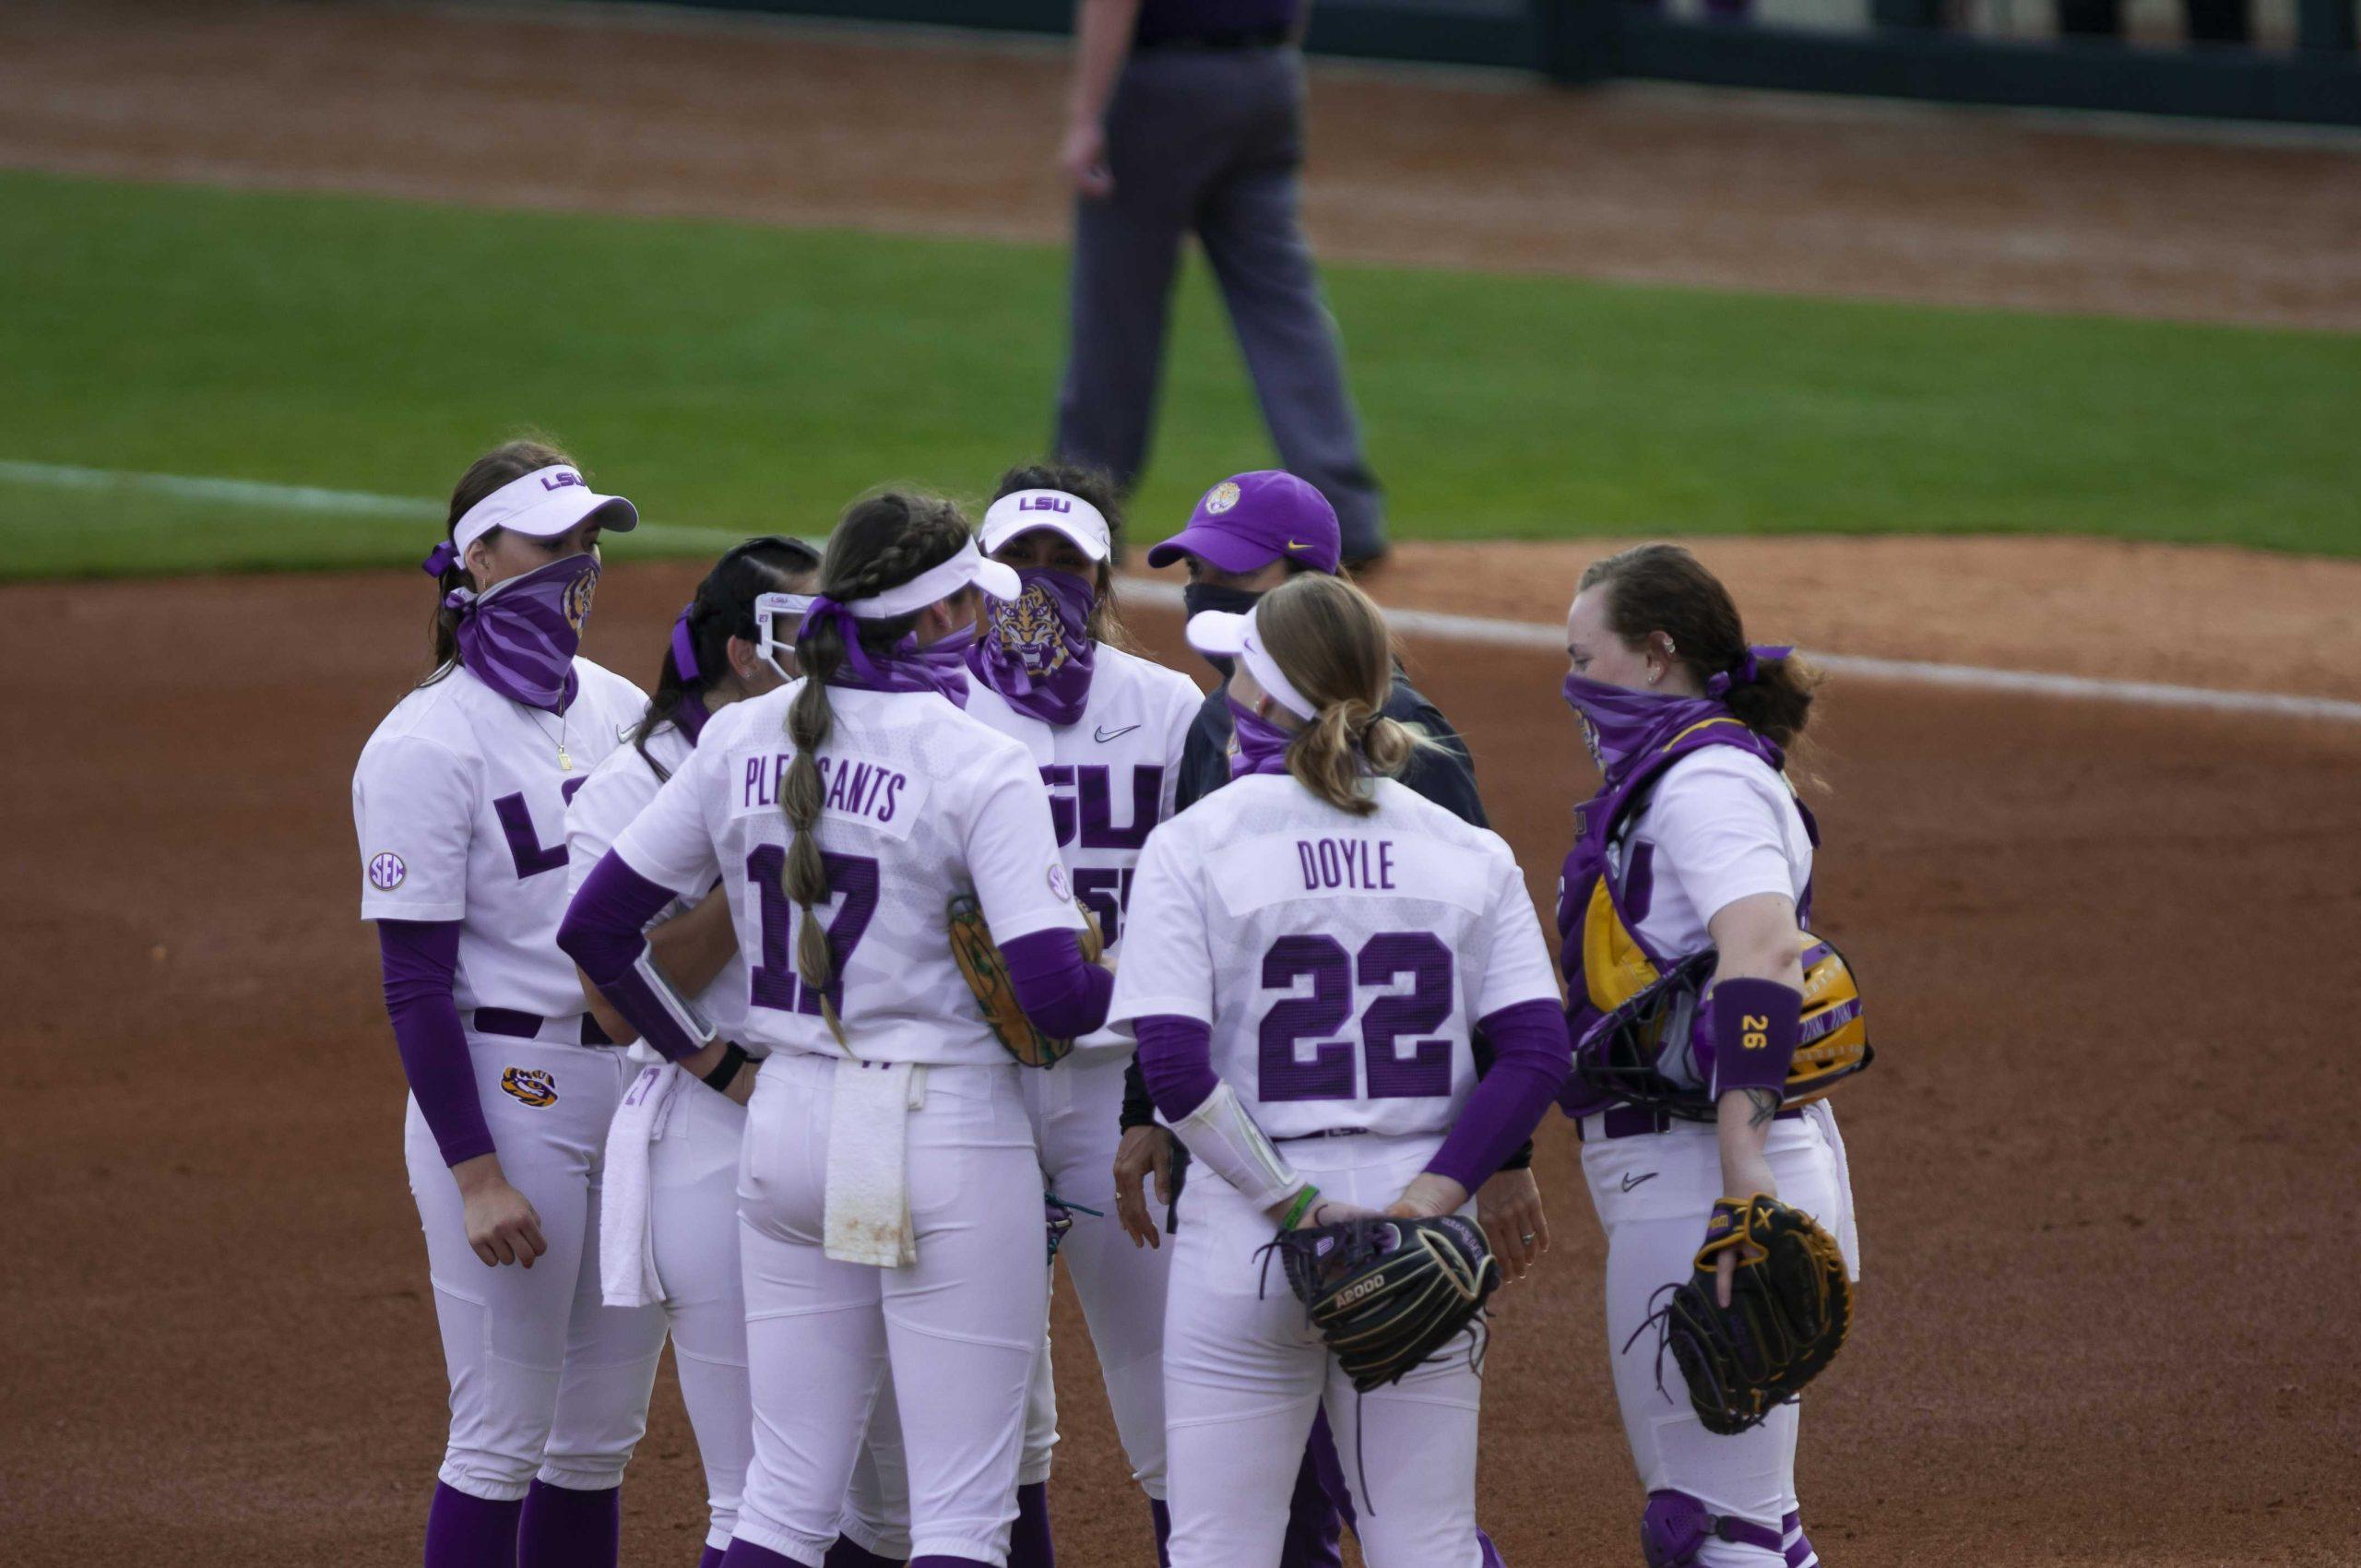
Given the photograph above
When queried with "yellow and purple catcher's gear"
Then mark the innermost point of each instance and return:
(1656, 1048)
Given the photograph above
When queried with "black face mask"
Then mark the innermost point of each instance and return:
(1198, 597)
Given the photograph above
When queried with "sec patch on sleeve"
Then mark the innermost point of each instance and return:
(1060, 886)
(387, 870)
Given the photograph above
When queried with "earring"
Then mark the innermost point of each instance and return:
(1653, 676)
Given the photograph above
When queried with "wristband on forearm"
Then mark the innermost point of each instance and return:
(1755, 1023)
(725, 1072)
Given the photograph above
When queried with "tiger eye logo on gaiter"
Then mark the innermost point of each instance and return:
(1030, 630)
(577, 598)
(534, 1086)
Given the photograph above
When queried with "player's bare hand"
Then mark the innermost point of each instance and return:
(502, 1225)
(1334, 1211)
(1083, 155)
(1427, 1197)
(1509, 1207)
(1143, 1150)
(741, 1087)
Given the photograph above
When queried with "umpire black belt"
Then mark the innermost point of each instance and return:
(1241, 37)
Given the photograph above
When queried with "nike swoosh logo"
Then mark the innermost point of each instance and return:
(1103, 736)
(1293, 544)
(1630, 1180)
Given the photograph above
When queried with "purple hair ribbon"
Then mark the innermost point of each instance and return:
(685, 645)
(824, 609)
(439, 559)
(1749, 668)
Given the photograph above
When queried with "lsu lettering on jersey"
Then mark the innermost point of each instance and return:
(459, 803)
(922, 803)
(1341, 961)
(619, 789)
(1720, 825)
(1111, 776)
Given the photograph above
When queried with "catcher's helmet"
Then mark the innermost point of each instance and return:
(1657, 1050)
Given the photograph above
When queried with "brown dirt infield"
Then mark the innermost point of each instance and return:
(2101, 943)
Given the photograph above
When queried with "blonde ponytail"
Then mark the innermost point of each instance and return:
(1332, 641)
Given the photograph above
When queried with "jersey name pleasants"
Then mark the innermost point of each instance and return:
(1111, 774)
(619, 789)
(460, 803)
(922, 803)
(1341, 961)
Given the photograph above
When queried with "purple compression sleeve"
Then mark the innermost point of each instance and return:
(1755, 1024)
(602, 931)
(1064, 996)
(1531, 1058)
(421, 959)
(1177, 1059)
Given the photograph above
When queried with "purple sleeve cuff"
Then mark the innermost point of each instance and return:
(1530, 1061)
(602, 931)
(1177, 1059)
(1755, 1023)
(421, 959)
(1065, 997)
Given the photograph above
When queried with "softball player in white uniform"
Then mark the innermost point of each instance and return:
(669, 1211)
(459, 803)
(1696, 842)
(890, 1194)
(1309, 949)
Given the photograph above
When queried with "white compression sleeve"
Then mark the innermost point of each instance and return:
(1221, 1133)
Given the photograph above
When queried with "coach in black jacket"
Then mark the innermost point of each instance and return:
(1249, 534)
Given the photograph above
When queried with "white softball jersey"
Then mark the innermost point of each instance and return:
(459, 802)
(618, 791)
(922, 803)
(1340, 961)
(1112, 775)
(1720, 825)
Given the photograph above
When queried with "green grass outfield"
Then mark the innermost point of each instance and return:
(733, 378)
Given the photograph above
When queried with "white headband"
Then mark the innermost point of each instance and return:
(1059, 510)
(937, 584)
(543, 504)
(1218, 631)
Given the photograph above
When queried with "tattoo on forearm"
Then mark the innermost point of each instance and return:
(1765, 1103)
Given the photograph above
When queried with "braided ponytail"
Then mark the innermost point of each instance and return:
(881, 543)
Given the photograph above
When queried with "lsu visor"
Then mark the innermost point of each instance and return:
(1070, 515)
(938, 583)
(1234, 637)
(543, 504)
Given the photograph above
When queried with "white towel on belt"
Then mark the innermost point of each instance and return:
(866, 1215)
(626, 1244)
(1848, 1233)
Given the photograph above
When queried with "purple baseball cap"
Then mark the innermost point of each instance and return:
(1252, 520)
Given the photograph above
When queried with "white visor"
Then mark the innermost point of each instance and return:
(1053, 509)
(938, 583)
(1233, 636)
(543, 504)
(768, 608)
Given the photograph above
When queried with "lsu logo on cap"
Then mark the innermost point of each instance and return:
(387, 870)
(1221, 497)
(577, 597)
(534, 1086)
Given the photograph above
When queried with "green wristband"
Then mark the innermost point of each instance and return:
(1302, 1206)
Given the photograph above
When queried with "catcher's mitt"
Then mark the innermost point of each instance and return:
(1790, 1308)
(978, 955)
(1387, 1294)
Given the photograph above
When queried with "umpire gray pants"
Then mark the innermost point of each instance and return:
(1210, 142)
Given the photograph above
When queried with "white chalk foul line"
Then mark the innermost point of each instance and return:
(1478, 630)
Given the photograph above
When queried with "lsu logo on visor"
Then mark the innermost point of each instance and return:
(534, 1086)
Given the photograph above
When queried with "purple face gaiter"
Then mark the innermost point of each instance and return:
(1036, 650)
(1256, 745)
(1620, 725)
(519, 636)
